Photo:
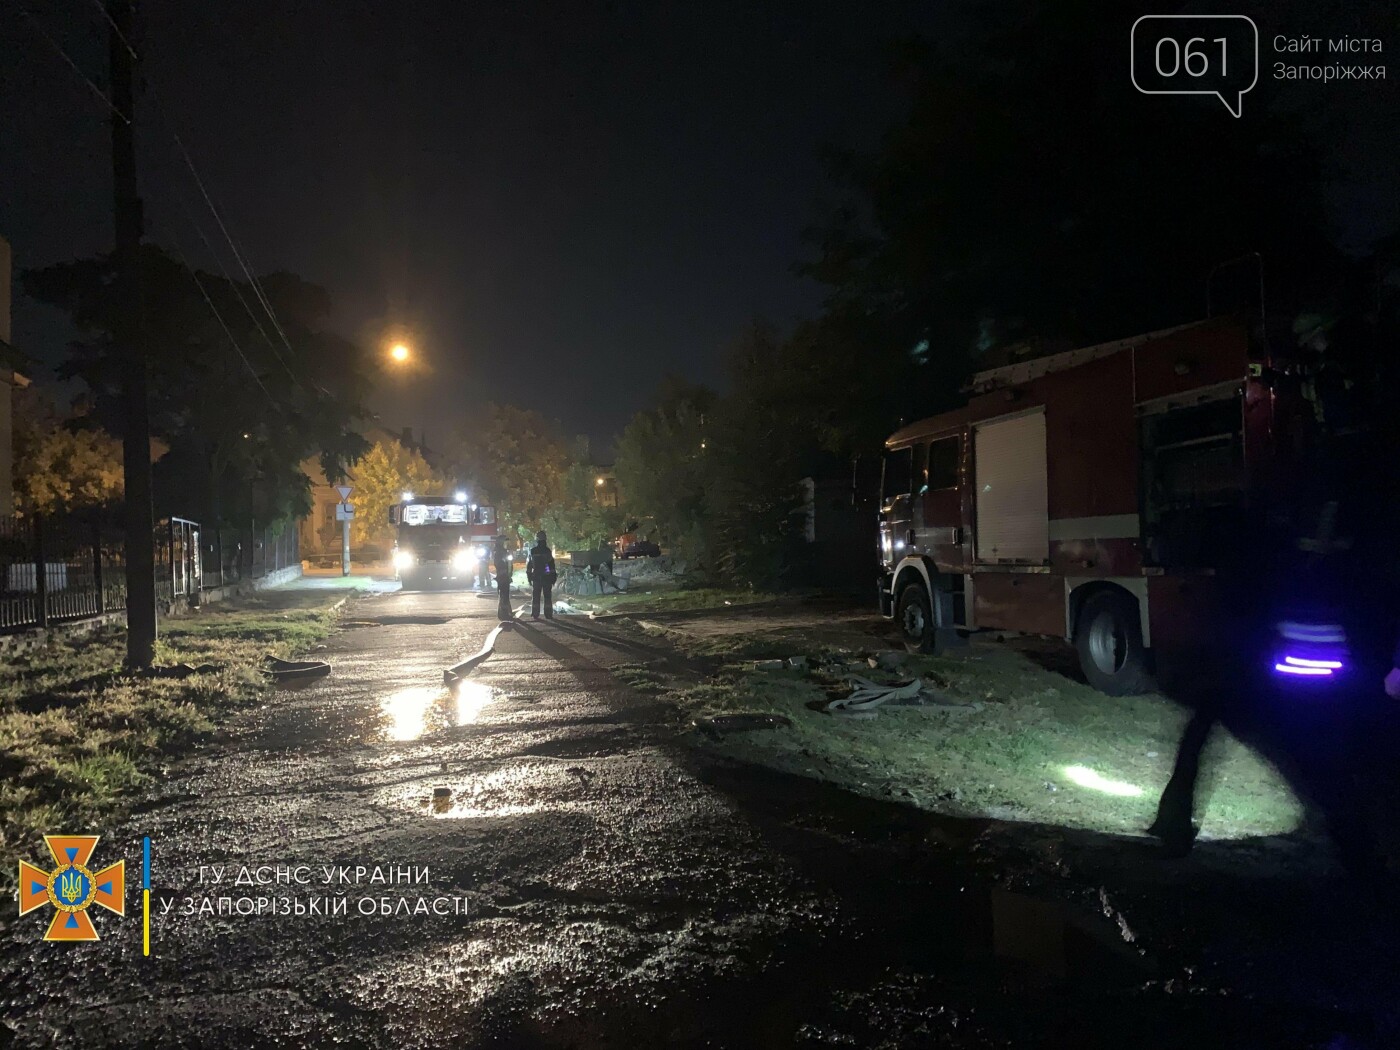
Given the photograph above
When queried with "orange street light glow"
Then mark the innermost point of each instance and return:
(399, 352)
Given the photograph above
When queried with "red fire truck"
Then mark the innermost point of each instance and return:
(1086, 495)
(441, 541)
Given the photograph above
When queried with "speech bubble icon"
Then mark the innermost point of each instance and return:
(1196, 55)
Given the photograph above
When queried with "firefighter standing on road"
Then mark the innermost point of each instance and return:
(504, 567)
(540, 571)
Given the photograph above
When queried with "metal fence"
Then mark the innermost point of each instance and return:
(60, 568)
(230, 556)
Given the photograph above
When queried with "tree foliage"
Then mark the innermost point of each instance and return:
(997, 211)
(240, 399)
(61, 464)
(382, 475)
(578, 521)
(663, 468)
(516, 459)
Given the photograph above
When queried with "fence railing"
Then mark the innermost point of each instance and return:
(60, 568)
(231, 556)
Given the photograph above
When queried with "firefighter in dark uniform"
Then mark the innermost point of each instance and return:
(1330, 739)
(540, 571)
(504, 568)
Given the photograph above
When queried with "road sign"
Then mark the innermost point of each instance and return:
(344, 511)
(344, 491)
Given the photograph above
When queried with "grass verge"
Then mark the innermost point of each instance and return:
(1022, 743)
(79, 734)
(663, 597)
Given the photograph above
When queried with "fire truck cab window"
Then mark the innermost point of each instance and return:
(943, 464)
(899, 473)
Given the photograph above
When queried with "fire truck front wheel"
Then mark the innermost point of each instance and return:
(914, 613)
(1109, 640)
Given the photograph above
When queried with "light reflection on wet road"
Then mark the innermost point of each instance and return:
(623, 891)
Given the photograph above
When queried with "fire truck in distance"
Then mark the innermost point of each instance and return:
(441, 541)
(1089, 495)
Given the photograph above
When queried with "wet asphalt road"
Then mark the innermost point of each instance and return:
(608, 886)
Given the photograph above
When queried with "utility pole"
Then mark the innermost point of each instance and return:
(130, 348)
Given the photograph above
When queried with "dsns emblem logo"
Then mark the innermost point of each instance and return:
(71, 887)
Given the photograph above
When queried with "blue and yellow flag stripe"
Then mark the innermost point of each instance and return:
(146, 895)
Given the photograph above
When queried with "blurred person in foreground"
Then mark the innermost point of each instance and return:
(1313, 678)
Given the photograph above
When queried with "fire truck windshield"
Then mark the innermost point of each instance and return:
(429, 514)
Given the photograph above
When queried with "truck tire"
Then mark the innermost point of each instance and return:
(913, 611)
(1108, 637)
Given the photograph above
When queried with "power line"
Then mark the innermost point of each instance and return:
(257, 288)
(194, 274)
(38, 28)
(253, 280)
(116, 29)
(184, 207)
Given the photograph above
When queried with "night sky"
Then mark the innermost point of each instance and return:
(560, 201)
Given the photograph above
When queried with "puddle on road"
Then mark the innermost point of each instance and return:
(421, 710)
(513, 791)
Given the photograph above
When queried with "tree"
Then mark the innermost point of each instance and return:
(999, 210)
(766, 434)
(578, 522)
(241, 399)
(61, 465)
(382, 476)
(517, 459)
(664, 467)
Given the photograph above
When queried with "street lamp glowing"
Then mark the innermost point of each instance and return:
(408, 497)
(399, 353)
(598, 482)
(461, 497)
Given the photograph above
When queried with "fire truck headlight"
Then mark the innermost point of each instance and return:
(461, 560)
(403, 560)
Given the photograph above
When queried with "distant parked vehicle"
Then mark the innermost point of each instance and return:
(641, 549)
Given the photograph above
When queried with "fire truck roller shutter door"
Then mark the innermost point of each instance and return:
(1013, 520)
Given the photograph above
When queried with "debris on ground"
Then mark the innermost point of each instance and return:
(791, 663)
(282, 669)
(892, 660)
(717, 725)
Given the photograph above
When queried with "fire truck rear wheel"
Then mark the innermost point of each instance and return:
(1109, 640)
(914, 613)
